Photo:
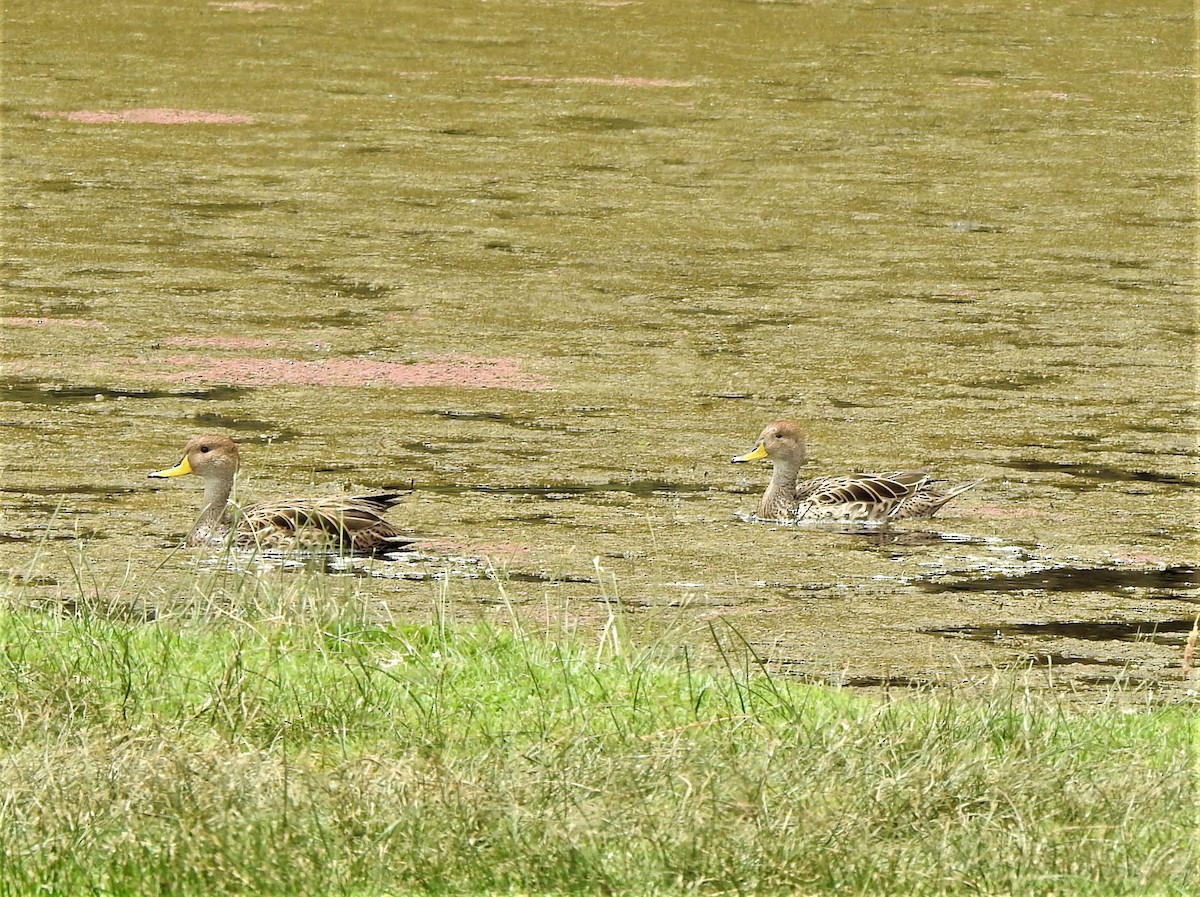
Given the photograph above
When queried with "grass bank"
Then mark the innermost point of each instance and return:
(272, 735)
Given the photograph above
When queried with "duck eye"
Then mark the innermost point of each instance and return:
(204, 449)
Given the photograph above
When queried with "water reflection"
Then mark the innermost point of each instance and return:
(34, 392)
(1075, 579)
(1099, 472)
(1163, 631)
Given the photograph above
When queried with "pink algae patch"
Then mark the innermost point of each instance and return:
(455, 371)
(152, 117)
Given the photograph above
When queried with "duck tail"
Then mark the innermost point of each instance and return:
(938, 500)
(380, 501)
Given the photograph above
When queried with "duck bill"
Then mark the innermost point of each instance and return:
(183, 468)
(760, 452)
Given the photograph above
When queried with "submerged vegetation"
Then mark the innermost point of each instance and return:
(276, 733)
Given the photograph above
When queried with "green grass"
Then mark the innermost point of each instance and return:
(268, 735)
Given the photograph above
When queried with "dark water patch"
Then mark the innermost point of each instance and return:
(1159, 632)
(1121, 680)
(794, 666)
(329, 317)
(1086, 439)
(1098, 472)
(343, 467)
(877, 682)
(1131, 286)
(74, 308)
(100, 490)
(600, 123)
(539, 576)
(346, 317)
(38, 535)
(60, 185)
(41, 509)
(501, 417)
(344, 90)
(492, 416)
(1051, 659)
(1074, 579)
(943, 299)
(532, 519)
(46, 290)
(30, 392)
(441, 447)
(567, 491)
(246, 425)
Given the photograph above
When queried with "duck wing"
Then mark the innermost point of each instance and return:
(870, 497)
(352, 522)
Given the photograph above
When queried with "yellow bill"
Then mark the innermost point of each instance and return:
(181, 469)
(760, 452)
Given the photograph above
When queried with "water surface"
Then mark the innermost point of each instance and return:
(950, 234)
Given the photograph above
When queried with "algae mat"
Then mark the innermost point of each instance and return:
(550, 265)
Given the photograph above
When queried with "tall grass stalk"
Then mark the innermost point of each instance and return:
(271, 733)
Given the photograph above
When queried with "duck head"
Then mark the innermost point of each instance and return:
(781, 442)
(209, 457)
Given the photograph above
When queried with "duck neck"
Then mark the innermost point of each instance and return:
(216, 497)
(780, 498)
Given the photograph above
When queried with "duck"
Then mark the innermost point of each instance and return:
(856, 498)
(354, 524)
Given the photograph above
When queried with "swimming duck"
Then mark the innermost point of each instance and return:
(349, 523)
(859, 498)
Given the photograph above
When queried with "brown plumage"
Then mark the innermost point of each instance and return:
(348, 523)
(864, 498)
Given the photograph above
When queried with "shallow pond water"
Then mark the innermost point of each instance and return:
(550, 265)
